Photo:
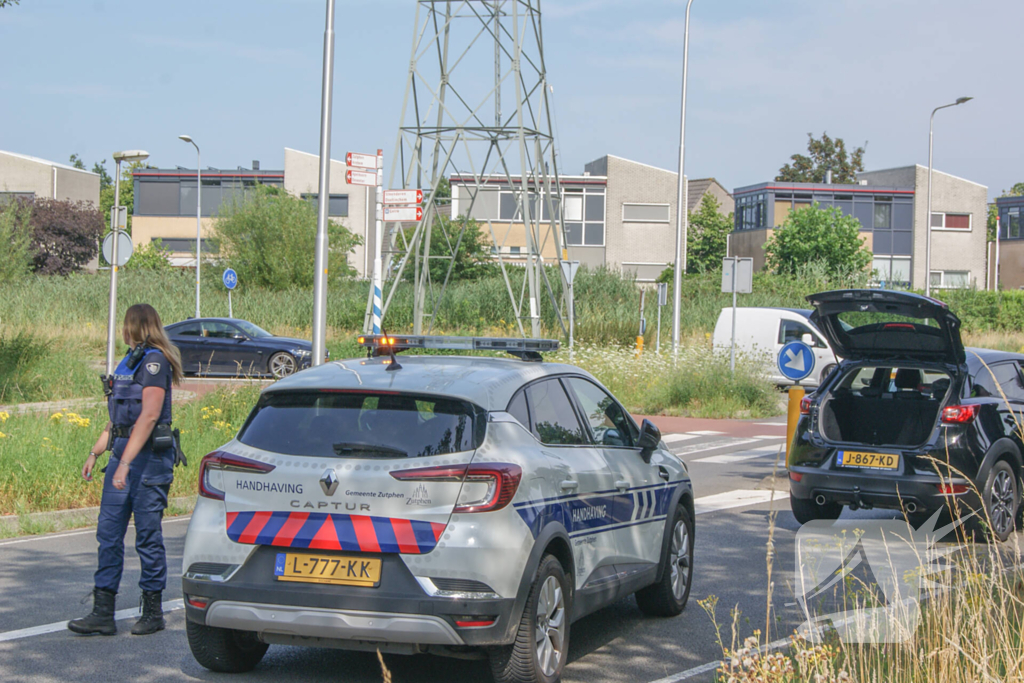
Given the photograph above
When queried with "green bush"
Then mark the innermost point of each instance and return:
(16, 235)
(151, 257)
(20, 356)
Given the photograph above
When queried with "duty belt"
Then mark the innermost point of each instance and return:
(121, 431)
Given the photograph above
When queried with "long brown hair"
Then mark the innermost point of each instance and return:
(142, 326)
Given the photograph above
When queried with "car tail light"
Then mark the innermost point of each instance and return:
(952, 489)
(198, 603)
(500, 482)
(805, 405)
(474, 622)
(958, 415)
(219, 460)
(796, 476)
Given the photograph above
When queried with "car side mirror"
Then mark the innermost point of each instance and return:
(239, 337)
(650, 438)
(807, 338)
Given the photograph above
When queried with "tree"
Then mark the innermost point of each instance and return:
(269, 237)
(64, 235)
(99, 168)
(820, 235)
(127, 192)
(472, 260)
(706, 236)
(5, 3)
(152, 257)
(16, 236)
(825, 154)
(992, 222)
(1016, 191)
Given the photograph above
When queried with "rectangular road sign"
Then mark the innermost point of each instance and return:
(357, 160)
(403, 196)
(744, 274)
(361, 178)
(403, 213)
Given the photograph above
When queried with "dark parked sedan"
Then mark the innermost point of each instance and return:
(231, 347)
(911, 419)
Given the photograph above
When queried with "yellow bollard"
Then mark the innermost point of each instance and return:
(796, 395)
(639, 346)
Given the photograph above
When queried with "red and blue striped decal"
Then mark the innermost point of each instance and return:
(324, 531)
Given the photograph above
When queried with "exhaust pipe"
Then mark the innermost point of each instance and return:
(820, 499)
(911, 507)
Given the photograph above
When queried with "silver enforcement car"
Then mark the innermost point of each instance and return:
(466, 506)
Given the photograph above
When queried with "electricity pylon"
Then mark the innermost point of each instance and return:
(461, 120)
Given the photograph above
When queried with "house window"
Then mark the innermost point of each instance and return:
(951, 221)
(186, 246)
(883, 216)
(645, 213)
(1013, 223)
(950, 279)
(337, 206)
(891, 272)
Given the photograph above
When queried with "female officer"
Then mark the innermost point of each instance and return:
(139, 473)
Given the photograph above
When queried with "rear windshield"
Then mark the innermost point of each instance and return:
(886, 381)
(362, 425)
(872, 320)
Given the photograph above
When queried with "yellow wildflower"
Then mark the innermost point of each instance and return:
(2, 435)
(57, 417)
(4, 416)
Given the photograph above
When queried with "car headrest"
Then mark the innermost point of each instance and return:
(939, 388)
(908, 378)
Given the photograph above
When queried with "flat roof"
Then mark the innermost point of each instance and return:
(37, 160)
(562, 179)
(207, 173)
(834, 188)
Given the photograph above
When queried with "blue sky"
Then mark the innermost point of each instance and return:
(243, 78)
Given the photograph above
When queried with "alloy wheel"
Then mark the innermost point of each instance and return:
(551, 625)
(679, 559)
(282, 365)
(1001, 502)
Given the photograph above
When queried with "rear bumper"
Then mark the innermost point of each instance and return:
(332, 624)
(398, 611)
(867, 489)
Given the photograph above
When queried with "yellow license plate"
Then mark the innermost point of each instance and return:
(880, 461)
(335, 569)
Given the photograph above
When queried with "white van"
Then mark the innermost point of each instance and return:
(764, 331)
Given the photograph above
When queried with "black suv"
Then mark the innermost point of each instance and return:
(910, 420)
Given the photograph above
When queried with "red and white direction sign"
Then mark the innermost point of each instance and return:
(403, 196)
(361, 178)
(357, 160)
(403, 213)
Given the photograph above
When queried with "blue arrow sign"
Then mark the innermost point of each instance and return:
(796, 361)
(230, 278)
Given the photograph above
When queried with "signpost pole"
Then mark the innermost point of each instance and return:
(378, 298)
(324, 197)
(231, 312)
(112, 314)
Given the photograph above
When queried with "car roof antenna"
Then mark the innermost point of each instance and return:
(391, 347)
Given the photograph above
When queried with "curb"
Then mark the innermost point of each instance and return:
(60, 520)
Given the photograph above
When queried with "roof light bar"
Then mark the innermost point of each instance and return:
(527, 349)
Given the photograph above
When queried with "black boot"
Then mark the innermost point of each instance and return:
(152, 619)
(101, 620)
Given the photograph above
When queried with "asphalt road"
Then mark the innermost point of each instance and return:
(43, 579)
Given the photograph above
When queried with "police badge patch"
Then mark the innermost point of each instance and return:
(153, 368)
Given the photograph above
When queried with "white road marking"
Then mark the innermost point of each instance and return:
(728, 458)
(771, 424)
(735, 499)
(770, 436)
(712, 446)
(674, 438)
(168, 606)
(706, 433)
(90, 530)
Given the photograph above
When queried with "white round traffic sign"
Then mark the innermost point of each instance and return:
(124, 247)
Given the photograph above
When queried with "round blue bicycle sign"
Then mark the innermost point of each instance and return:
(796, 361)
(230, 278)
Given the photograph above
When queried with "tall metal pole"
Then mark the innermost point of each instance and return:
(928, 218)
(681, 207)
(199, 219)
(112, 314)
(324, 197)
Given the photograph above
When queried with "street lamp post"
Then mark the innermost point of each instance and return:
(129, 156)
(681, 207)
(928, 219)
(199, 210)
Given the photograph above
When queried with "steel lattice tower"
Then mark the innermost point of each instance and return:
(476, 106)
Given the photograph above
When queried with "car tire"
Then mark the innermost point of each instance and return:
(224, 650)
(825, 372)
(282, 364)
(806, 510)
(1001, 497)
(542, 639)
(668, 597)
